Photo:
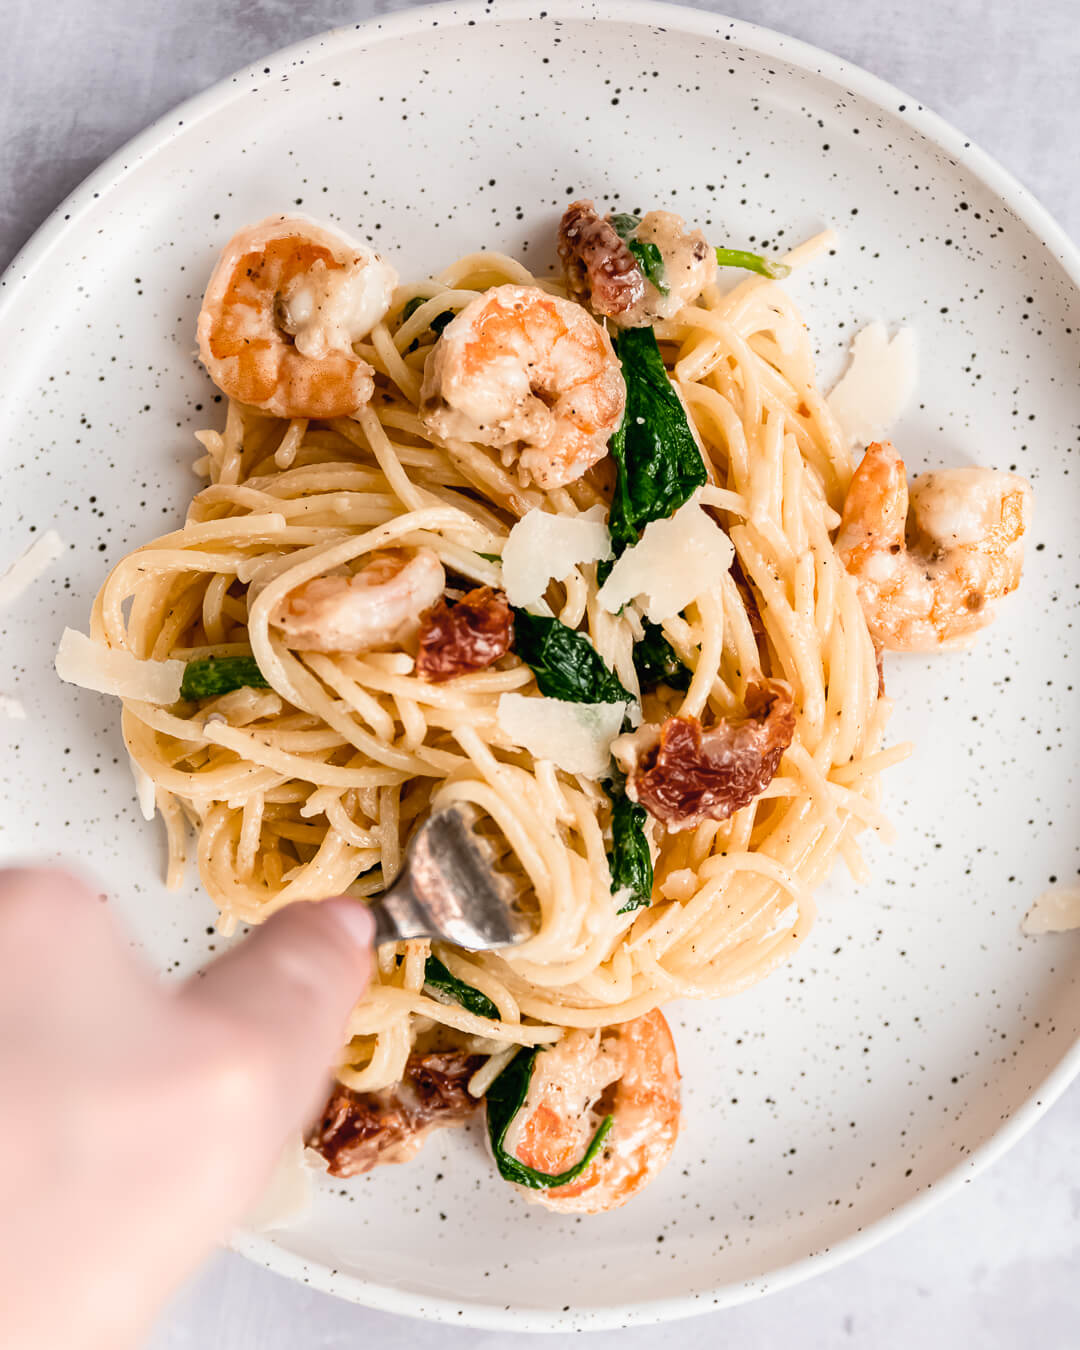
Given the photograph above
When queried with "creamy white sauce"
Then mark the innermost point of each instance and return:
(689, 266)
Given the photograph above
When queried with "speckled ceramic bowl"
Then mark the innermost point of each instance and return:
(917, 1034)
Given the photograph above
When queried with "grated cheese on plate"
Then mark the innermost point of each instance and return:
(543, 547)
(672, 562)
(575, 736)
(875, 388)
(92, 665)
(12, 707)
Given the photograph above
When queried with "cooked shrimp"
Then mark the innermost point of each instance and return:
(602, 269)
(689, 266)
(927, 581)
(285, 303)
(379, 605)
(630, 1072)
(520, 366)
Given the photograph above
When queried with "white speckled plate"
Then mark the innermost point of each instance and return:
(917, 1034)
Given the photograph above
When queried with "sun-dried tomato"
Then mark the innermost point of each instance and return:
(469, 635)
(600, 269)
(683, 775)
(360, 1130)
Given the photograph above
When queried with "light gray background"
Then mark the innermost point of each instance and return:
(998, 1266)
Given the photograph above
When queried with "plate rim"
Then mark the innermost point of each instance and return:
(708, 25)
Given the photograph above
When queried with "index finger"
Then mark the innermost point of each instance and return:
(287, 991)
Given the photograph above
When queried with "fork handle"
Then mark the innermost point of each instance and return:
(398, 913)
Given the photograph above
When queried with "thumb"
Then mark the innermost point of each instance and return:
(288, 990)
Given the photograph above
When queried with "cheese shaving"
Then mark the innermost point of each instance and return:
(26, 569)
(672, 562)
(575, 736)
(875, 388)
(543, 547)
(92, 665)
(1055, 911)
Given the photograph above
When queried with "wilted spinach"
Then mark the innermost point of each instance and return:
(647, 255)
(472, 1000)
(437, 324)
(505, 1098)
(658, 462)
(657, 662)
(629, 859)
(216, 675)
(565, 663)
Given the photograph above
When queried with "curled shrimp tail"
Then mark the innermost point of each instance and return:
(284, 305)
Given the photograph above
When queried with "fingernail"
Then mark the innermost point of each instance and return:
(355, 918)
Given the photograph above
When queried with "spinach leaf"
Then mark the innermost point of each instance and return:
(651, 261)
(437, 324)
(505, 1098)
(221, 675)
(489, 557)
(659, 464)
(657, 662)
(752, 262)
(649, 258)
(440, 321)
(472, 1000)
(564, 661)
(624, 223)
(629, 859)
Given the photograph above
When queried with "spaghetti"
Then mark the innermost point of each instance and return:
(307, 782)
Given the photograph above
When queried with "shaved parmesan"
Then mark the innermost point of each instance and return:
(575, 736)
(12, 707)
(1055, 911)
(672, 562)
(145, 793)
(92, 665)
(542, 547)
(877, 385)
(25, 570)
(286, 1197)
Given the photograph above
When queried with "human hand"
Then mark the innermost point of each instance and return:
(139, 1122)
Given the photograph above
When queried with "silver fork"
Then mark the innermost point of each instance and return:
(450, 888)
